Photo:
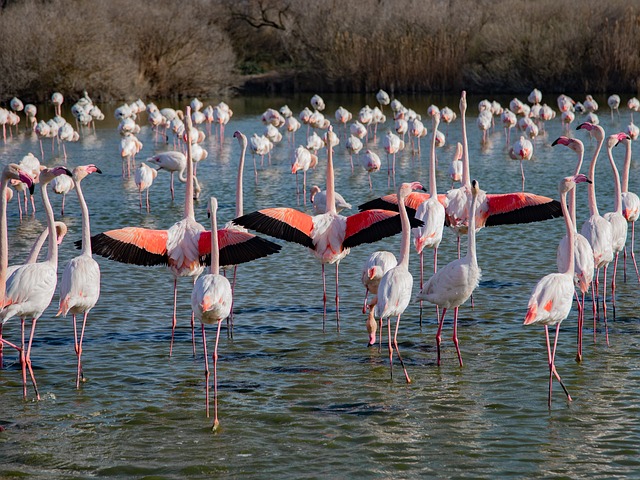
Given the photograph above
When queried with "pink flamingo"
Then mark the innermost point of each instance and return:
(596, 229)
(329, 236)
(303, 160)
(630, 205)
(619, 224)
(521, 150)
(453, 284)
(431, 212)
(80, 287)
(211, 301)
(31, 286)
(183, 247)
(378, 263)
(583, 253)
(551, 299)
(144, 177)
(394, 291)
(10, 172)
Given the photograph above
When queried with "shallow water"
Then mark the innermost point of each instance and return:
(297, 402)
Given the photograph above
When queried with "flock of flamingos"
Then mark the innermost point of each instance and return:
(417, 213)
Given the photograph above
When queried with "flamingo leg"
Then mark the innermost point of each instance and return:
(173, 320)
(80, 374)
(364, 310)
(2, 348)
(613, 285)
(395, 344)
(455, 334)
(172, 191)
(148, 207)
(439, 335)
(233, 287)
(23, 359)
(633, 255)
(216, 423)
(522, 171)
(28, 358)
(580, 325)
(206, 370)
(193, 325)
(337, 298)
(390, 345)
(604, 305)
(421, 282)
(553, 366)
(140, 197)
(324, 299)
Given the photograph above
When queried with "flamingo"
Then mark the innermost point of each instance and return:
(370, 161)
(614, 104)
(596, 229)
(10, 172)
(175, 162)
(62, 185)
(453, 284)
(392, 144)
(303, 160)
(317, 102)
(431, 212)
(551, 299)
(619, 224)
(535, 96)
(455, 169)
(521, 150)
(353, 145)
(583, 253)
(80, 287)
(319, 200)
(378, 263)
(183, 247)
(31, 286)
(144, 177)
(211, 301)
(509, 121)
(329, 236)
(394, 290)
(57, 99)
(383, 98)
(30, 164)
(630, 206)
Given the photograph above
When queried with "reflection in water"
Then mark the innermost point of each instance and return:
(297, 400)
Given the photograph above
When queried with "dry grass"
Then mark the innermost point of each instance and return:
(122, 49)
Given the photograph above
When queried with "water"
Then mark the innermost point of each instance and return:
(299, 403)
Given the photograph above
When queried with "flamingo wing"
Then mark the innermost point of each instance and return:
(373, 225)
(283, 223)
(520, 207)
(134, 245)
(236, 247)
(390, 202)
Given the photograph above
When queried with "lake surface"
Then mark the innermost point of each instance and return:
(297, 402)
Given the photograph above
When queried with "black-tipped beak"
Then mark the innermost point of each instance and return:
(32, 188)
(67, 171)
(98, 170)
(554, 143)
(423, 189)
(369, 345)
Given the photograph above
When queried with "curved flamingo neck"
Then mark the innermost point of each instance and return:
(52, 253)
(626, 167)
(617, 199)
(215, 254)
(188, 195)
(570, 233)
(239, 205)
(405, 242)
(572, 194)
(37, 246)
(433, 188)
(593, 204)
(331, 188)
(4, 238)
(86, 229)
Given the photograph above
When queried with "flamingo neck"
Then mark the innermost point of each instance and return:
(433, 188)
(466, 176)
(625, 169)
(86, 229)
(4, 239)
(570, 233)
(331, 189)
(239, 206)
(471, 240)
(188, 195)
(215, 254)
(37, 246)
(405, 242)
(572, 194)
(593, 204)
(52, 253)
(617, 199)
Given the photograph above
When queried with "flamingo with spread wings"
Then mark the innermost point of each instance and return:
(329, 236)
(185, 247)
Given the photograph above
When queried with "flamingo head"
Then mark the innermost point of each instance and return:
(573, 143)
(13, 172)
(242, 138)
(406, 188)
(475, 188)
(595, 130)
(619, 137)
(314, 191)
(82, 171)
(463, 102)
(61, 231)
(567, 183)
(48, 174)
